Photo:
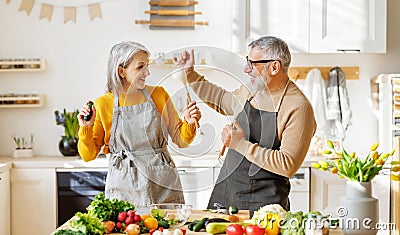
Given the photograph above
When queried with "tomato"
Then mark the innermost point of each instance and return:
(183, 231)
(130, 213)
(122, 216)
(150, 223)
(252, 229)
(128, 220)
(234, 229)
(137, 218)
(132, 229)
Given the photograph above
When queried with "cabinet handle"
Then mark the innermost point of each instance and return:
(348, 50)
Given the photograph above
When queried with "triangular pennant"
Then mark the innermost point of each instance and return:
(69, 14)
(26, 5)
(46, 11)
(95, 11)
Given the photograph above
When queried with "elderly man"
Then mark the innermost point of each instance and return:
(271, 134)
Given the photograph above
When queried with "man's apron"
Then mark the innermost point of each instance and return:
(141, 169)
(244, 184)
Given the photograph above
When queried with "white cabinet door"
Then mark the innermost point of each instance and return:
(286, 19)
(197, 184)
(5, 203)
(328, 188)
(337, 25)
(33, 201)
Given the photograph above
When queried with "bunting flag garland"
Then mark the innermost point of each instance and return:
(95, 11)
(70, 12)
(26, 5)
(46, 11)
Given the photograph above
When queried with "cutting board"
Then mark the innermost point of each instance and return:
(199, 214)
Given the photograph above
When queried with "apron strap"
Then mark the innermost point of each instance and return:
(283, 94)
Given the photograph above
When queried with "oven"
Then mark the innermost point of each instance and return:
(76, 189)
(299, 195)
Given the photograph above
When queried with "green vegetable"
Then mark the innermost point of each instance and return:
(217, 227)
(87, 224)
(233, 210)
(162, 223)
(192, 224)
(68, 232)
(200, 225)
(215, 220)
(89, 116)
(106, 209)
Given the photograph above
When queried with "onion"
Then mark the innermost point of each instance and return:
(132, 229)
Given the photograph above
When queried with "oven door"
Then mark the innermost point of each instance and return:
(76, 190)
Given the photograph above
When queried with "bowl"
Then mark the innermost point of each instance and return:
(176, 214)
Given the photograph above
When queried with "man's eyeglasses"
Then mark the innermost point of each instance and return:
(250, 62)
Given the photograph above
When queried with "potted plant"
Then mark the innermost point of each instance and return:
(24, 146)
(358, 204)
(68, 144)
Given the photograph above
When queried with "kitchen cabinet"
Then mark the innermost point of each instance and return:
(313, 26)
(356, 25)
(197, 184)
(5, 203)
(33, 201)
(328, 188)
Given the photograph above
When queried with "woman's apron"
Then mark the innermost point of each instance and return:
(244, 184)
(141, 169)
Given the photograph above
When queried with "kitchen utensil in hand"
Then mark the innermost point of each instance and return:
(180, 75)
(223, 148)
(89, 116)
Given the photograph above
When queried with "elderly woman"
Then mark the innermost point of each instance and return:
(132, 121)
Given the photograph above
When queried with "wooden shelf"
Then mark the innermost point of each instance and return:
(22, 65)
(351, 73)
(32, 101)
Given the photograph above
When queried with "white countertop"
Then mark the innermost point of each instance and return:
(208, 160)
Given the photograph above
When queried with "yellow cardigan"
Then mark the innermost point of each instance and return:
(92, 138)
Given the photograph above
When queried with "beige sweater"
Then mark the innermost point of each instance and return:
(295, 122)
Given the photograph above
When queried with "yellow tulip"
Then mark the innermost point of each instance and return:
(330, 144)
(396, 168)
(374, 155)
(384, 156)
(315, 165)
(395, 177)
(379, 162)
(323, 164)
(352, 155)
(374, 146)
(327, 152)
(334, 170)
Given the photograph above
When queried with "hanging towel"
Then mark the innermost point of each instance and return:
(315, 90)
(338, 105)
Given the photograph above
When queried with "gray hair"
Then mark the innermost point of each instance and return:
(121, 54)
(275, 49)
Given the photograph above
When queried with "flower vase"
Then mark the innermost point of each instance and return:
(358, 211)
(68, 146)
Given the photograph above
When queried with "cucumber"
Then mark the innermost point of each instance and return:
(89, 116)
(233, 210)
(218, 227)
(200, 225)
(192, 224)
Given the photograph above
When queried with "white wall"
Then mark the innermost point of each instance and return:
(76, 55)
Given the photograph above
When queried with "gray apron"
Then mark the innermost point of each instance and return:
(141, 169)
(243, 184)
